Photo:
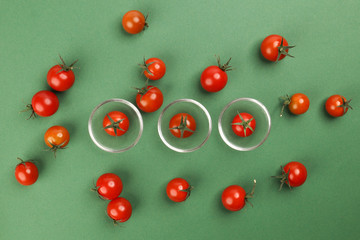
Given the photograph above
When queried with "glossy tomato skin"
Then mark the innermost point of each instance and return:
(60, 80)
(333, 104)
(119, 209)
(269, 47)
(297, 175)
(26, 173)
(178, 190)
(133, 22)
(57, 137)
(233, 198)
(299, 104)
(238, 129)
(213, 79)
(151, 100)
(116, 116)
(109, 186)
(45, 103)
(156, 68)
(175, 121)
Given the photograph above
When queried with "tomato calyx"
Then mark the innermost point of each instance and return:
(145, 67)
(30, 108)
(65, 67)
(282, 50)
(115, 125)
(286, 101)
(345, 105)
(95, 189)
(23, 162)
(251, 194)
(55, 147)
(284, 178)
(244, 124)
(188, 191)
(225, 67)
(182, 127)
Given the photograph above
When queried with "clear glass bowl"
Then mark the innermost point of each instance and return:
(111, 143)
(203, 125)
(263, 124)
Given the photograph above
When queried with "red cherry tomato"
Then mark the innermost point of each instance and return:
(56, 137)
(26, 173)
(134, 22)
(154, 68)
(149, 99)
(298, 104)
(116, 123)
(109, 186)
(234, 197)
(243, 124)
(214, 78)
(182, 125)
(178, 190)
(337, 105)
(44, 104)
(294, 174)
(274, 48)
(119, 209)
(61, 77)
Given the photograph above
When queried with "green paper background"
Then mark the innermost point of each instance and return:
(186, 35)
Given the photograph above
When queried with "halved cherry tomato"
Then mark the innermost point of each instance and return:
(337, 105)
(243, 124)
(182, 125)
(116, 123)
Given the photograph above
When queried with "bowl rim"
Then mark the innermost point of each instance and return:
(189, 101)
(107, 149)
(221, 131)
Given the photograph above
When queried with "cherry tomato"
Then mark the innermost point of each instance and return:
(275, 47)
(119, 209)
(109, 186)
(243, 124)
(44, 104)
(234, 197)
(116, 123)
(26, 173)
(182, 125)
(178, 190)
(294, 174)
(214, 78)
(56, 137)
(154, 68)
(149, 98)
(298, 104)
(134, 22)
(61, 77)
(337, 105)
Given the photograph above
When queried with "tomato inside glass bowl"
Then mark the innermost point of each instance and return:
(258, 111)
(200, 134)
(115, 144)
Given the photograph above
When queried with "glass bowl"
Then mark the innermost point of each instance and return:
(203, 125)
(119, 143)
(263, 124)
